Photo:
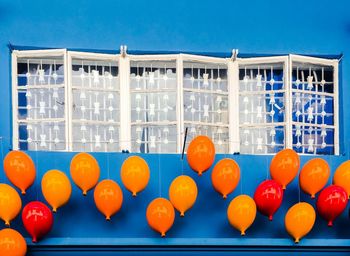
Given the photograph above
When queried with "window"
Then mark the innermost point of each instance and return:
(95, 109)
(76, 101)
(153, 92)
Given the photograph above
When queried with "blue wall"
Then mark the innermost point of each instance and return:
(255, 27)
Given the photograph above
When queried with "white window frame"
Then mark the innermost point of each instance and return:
(286, 91)
(32, 54)
(325, 62)
(86, 56)
(123, 62)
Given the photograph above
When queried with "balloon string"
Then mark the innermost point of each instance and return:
(107, 165)
(299, 192)
(182, 166)
(160, 177)
(38, 171)
(242, 184)
(2, 160)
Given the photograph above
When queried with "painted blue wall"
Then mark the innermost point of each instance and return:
(263, 27)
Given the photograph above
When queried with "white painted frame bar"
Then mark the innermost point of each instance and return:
(233, 88)
(15, 125)
(125, 108)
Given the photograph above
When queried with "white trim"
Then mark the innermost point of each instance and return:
(288, 99)
(93, 56)
(313, 60)
(125, 103)
(40, 53)
(262, 60)
(180, 107)
(155, 57)
(69, 101)
(202, 58)
(15, 126)
(233, 101)
(336, 107)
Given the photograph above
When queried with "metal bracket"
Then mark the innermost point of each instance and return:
(123, 50)
(234, 54)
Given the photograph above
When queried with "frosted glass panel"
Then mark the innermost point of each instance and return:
(41, 103)
(95, 106)
(262, 108)
(153, 92)
(205, 98)
(313, 108)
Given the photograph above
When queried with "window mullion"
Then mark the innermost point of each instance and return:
(179, 109)
(125, 108)
(288, 68)
(233, 89)
(68, 100)
(336, 107)
(15, 126)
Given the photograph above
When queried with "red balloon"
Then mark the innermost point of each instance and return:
(37, 219)
(331, 203)
(268, 197)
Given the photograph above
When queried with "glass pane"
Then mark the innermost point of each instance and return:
(154, 139)
(41, 103)
(205, 101)
(42, 136)
(262, 140)
(153, 92)
(313, 108)
(262, 108)
(96, 107)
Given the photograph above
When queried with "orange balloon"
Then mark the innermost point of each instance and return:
(12, 243)
(56, 188)
(135, 174)
(284, 166)
(160, 215)
(225, 176)
(108, 197)
(85, 171)
(20, 170)
(10, 203)
(241, 212)
(183, 193)
(201, 154)
(314, 176)
(342, 176)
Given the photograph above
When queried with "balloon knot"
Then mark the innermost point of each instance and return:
(108, 218)
(330, 223)
(7, 223)
(200, 173)
(84, 193)
(182, 214)
(54, 210)
(284, 187)
(296, 240)
(270, 218)
(23, 192)
(242, 233)
(34, 240)
(133, 194)
(224, 196)
(313, 196)
(162, 234)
